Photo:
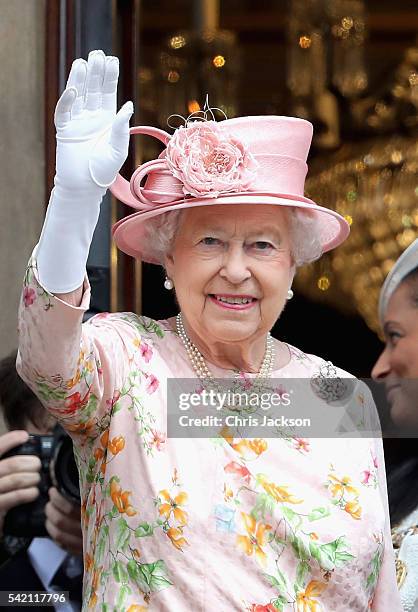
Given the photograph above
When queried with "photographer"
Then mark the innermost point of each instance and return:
(40, 563)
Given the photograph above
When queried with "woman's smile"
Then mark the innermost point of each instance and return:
(233, 302)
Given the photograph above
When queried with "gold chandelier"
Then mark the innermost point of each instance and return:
(373, 181)
(375, 186)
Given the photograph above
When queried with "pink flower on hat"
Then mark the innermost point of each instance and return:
(208, 161)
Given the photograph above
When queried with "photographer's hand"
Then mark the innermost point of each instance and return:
(63, 522)
(19, 475)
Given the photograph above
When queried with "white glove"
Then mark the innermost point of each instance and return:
(92, 145)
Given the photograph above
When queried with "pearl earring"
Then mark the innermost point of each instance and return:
(289, 294)
(168, 283)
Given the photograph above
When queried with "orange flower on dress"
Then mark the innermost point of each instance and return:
(83, 511)
(93, 600)
(341, 486)
(116, 445)
(246, 448)
(242, 448)
(94, 584)
(354, 509)
(98, 453)
(74, 380)
(81, 428)
(104, 438)
(304, 599)
(172, 506)
(258, 445)
(224, 433)
(176, 536)
(280, 494)
(88, 562)
(255, 539)
(121, 499)
(136, 608)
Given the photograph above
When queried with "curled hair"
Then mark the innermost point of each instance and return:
(160, 231)
(305, 236)
(304, 231)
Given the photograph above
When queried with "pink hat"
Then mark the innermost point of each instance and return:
(247, 160)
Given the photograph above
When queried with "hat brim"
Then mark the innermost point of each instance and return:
(128, 233)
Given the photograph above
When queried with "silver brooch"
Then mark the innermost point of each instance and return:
(330, 387)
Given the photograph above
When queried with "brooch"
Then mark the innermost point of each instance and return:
(330, 387)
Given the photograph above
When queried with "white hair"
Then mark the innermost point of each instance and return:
(304, 230)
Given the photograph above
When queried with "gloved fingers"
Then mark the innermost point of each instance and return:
(110, 83)
(77, 79)
(95, 74)
(119, 137)
(64, 107)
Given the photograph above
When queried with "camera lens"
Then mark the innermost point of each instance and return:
(64, 470)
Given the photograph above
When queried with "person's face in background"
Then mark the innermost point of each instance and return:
(397, 365)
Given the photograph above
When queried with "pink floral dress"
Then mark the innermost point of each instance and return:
(205, 524)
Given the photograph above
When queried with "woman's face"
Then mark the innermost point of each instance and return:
(231, 267)
(398, 363)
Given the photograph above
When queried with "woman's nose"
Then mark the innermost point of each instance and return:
(382, 366)
(235, 265)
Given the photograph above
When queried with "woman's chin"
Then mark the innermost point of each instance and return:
(228, 331)
(404, 414)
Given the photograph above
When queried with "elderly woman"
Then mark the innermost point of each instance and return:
(199, 523)
(397, 367)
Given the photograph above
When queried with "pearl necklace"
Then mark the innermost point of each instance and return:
(199, 364)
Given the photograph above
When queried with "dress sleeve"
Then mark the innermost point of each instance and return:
(386, 595)
(76, 370)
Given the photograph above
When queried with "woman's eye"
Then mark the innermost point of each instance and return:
(210, 241)
(394, 337)
(262, 245)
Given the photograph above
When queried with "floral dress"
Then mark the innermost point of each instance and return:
(205, 524)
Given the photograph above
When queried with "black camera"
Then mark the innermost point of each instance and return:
(58, 469)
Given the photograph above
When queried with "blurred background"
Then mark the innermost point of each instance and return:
(349, 66)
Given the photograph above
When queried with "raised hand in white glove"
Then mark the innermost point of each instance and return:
(92, 145)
